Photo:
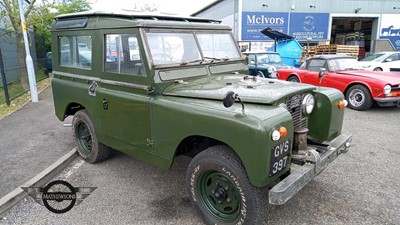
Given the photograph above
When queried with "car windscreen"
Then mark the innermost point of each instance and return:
(180, 48)
(373, 57)
(265, 58)
(341, 64)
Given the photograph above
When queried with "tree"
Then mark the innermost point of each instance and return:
(12, 22)
(43, 16)
(40, 16)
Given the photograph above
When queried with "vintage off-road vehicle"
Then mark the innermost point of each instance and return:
(156, 87)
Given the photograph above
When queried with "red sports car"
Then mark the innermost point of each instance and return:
(361, 87)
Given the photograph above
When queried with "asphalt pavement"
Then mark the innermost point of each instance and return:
(31, 139)
(360, 187)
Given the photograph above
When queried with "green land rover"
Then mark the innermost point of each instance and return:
(158, 86)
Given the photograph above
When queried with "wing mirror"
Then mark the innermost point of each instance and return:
(388, 60)
(230, 98)
(321, 74)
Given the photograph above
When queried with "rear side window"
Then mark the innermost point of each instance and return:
(122, 55)
(75, 51)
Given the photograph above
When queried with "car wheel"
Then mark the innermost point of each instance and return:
(260, 74)
(293, 79)
(359, 97)
(378, 69)
(85, 138)
(219, 189)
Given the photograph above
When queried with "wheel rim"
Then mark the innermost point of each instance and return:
(219, 196)
(84, 138)
(356, 98)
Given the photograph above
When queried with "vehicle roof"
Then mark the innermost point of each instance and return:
(259, 52)
(125, 18)
(137, 15)
(331, 56)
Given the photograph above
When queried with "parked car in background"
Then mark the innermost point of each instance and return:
(264, 64)
(361, 87)
(382, 61)
(48, 65)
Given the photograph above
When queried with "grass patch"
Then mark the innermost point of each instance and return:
(22, 96)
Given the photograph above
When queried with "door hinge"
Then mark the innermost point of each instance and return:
(150, 142)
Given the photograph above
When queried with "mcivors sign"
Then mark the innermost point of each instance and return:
(254, 22)
(299, 25)
(390, 29)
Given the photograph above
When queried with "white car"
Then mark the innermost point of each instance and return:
(382, 61)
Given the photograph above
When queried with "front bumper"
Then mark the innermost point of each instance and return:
(319, 158)
(389, 101)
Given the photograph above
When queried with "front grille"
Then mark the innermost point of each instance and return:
(294, 108)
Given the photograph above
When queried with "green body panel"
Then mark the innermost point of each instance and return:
(248, 133)
(325, 123)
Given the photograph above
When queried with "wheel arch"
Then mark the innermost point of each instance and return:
(357, 83)
(72, 108)
(293, 75)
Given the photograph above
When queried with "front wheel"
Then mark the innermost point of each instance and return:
(378, 69)
(86, 141)
(359, 97)
(219, 189)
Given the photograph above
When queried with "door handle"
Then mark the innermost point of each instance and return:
(92, 88)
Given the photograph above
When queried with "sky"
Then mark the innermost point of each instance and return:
(179, 7)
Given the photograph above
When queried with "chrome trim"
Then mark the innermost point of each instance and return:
(388, 99)
(104, 81)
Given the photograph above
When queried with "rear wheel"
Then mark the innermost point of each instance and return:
(293, 79)
(378, 69)
(86, 141)
(219, 189)
(359, 97)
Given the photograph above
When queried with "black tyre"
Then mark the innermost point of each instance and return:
(220, 190)
(293, 79)
(359, 97)
(260, 74)
(85, 138)
(378, 69)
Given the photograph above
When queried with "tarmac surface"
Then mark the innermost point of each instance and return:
(360, 187)
(31, 139)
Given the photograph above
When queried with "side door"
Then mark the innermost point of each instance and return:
(311, 75)
(123, 89)
(393, 62)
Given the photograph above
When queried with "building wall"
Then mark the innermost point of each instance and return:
(290, 16)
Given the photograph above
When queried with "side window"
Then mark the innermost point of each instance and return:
(122, 55)
(252, 59)
(316, 64)
(76, 51)
(394, 57)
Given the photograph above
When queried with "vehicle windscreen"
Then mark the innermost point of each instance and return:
(343, 64)
(268, 58)
(175, 49)
(373, 57)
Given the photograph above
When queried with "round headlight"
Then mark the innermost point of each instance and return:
(387, 89)
(308, 104)
(270, 70)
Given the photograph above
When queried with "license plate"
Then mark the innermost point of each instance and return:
(280, 157)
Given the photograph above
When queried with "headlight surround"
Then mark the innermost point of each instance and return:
(308, 104)
(387, 89)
